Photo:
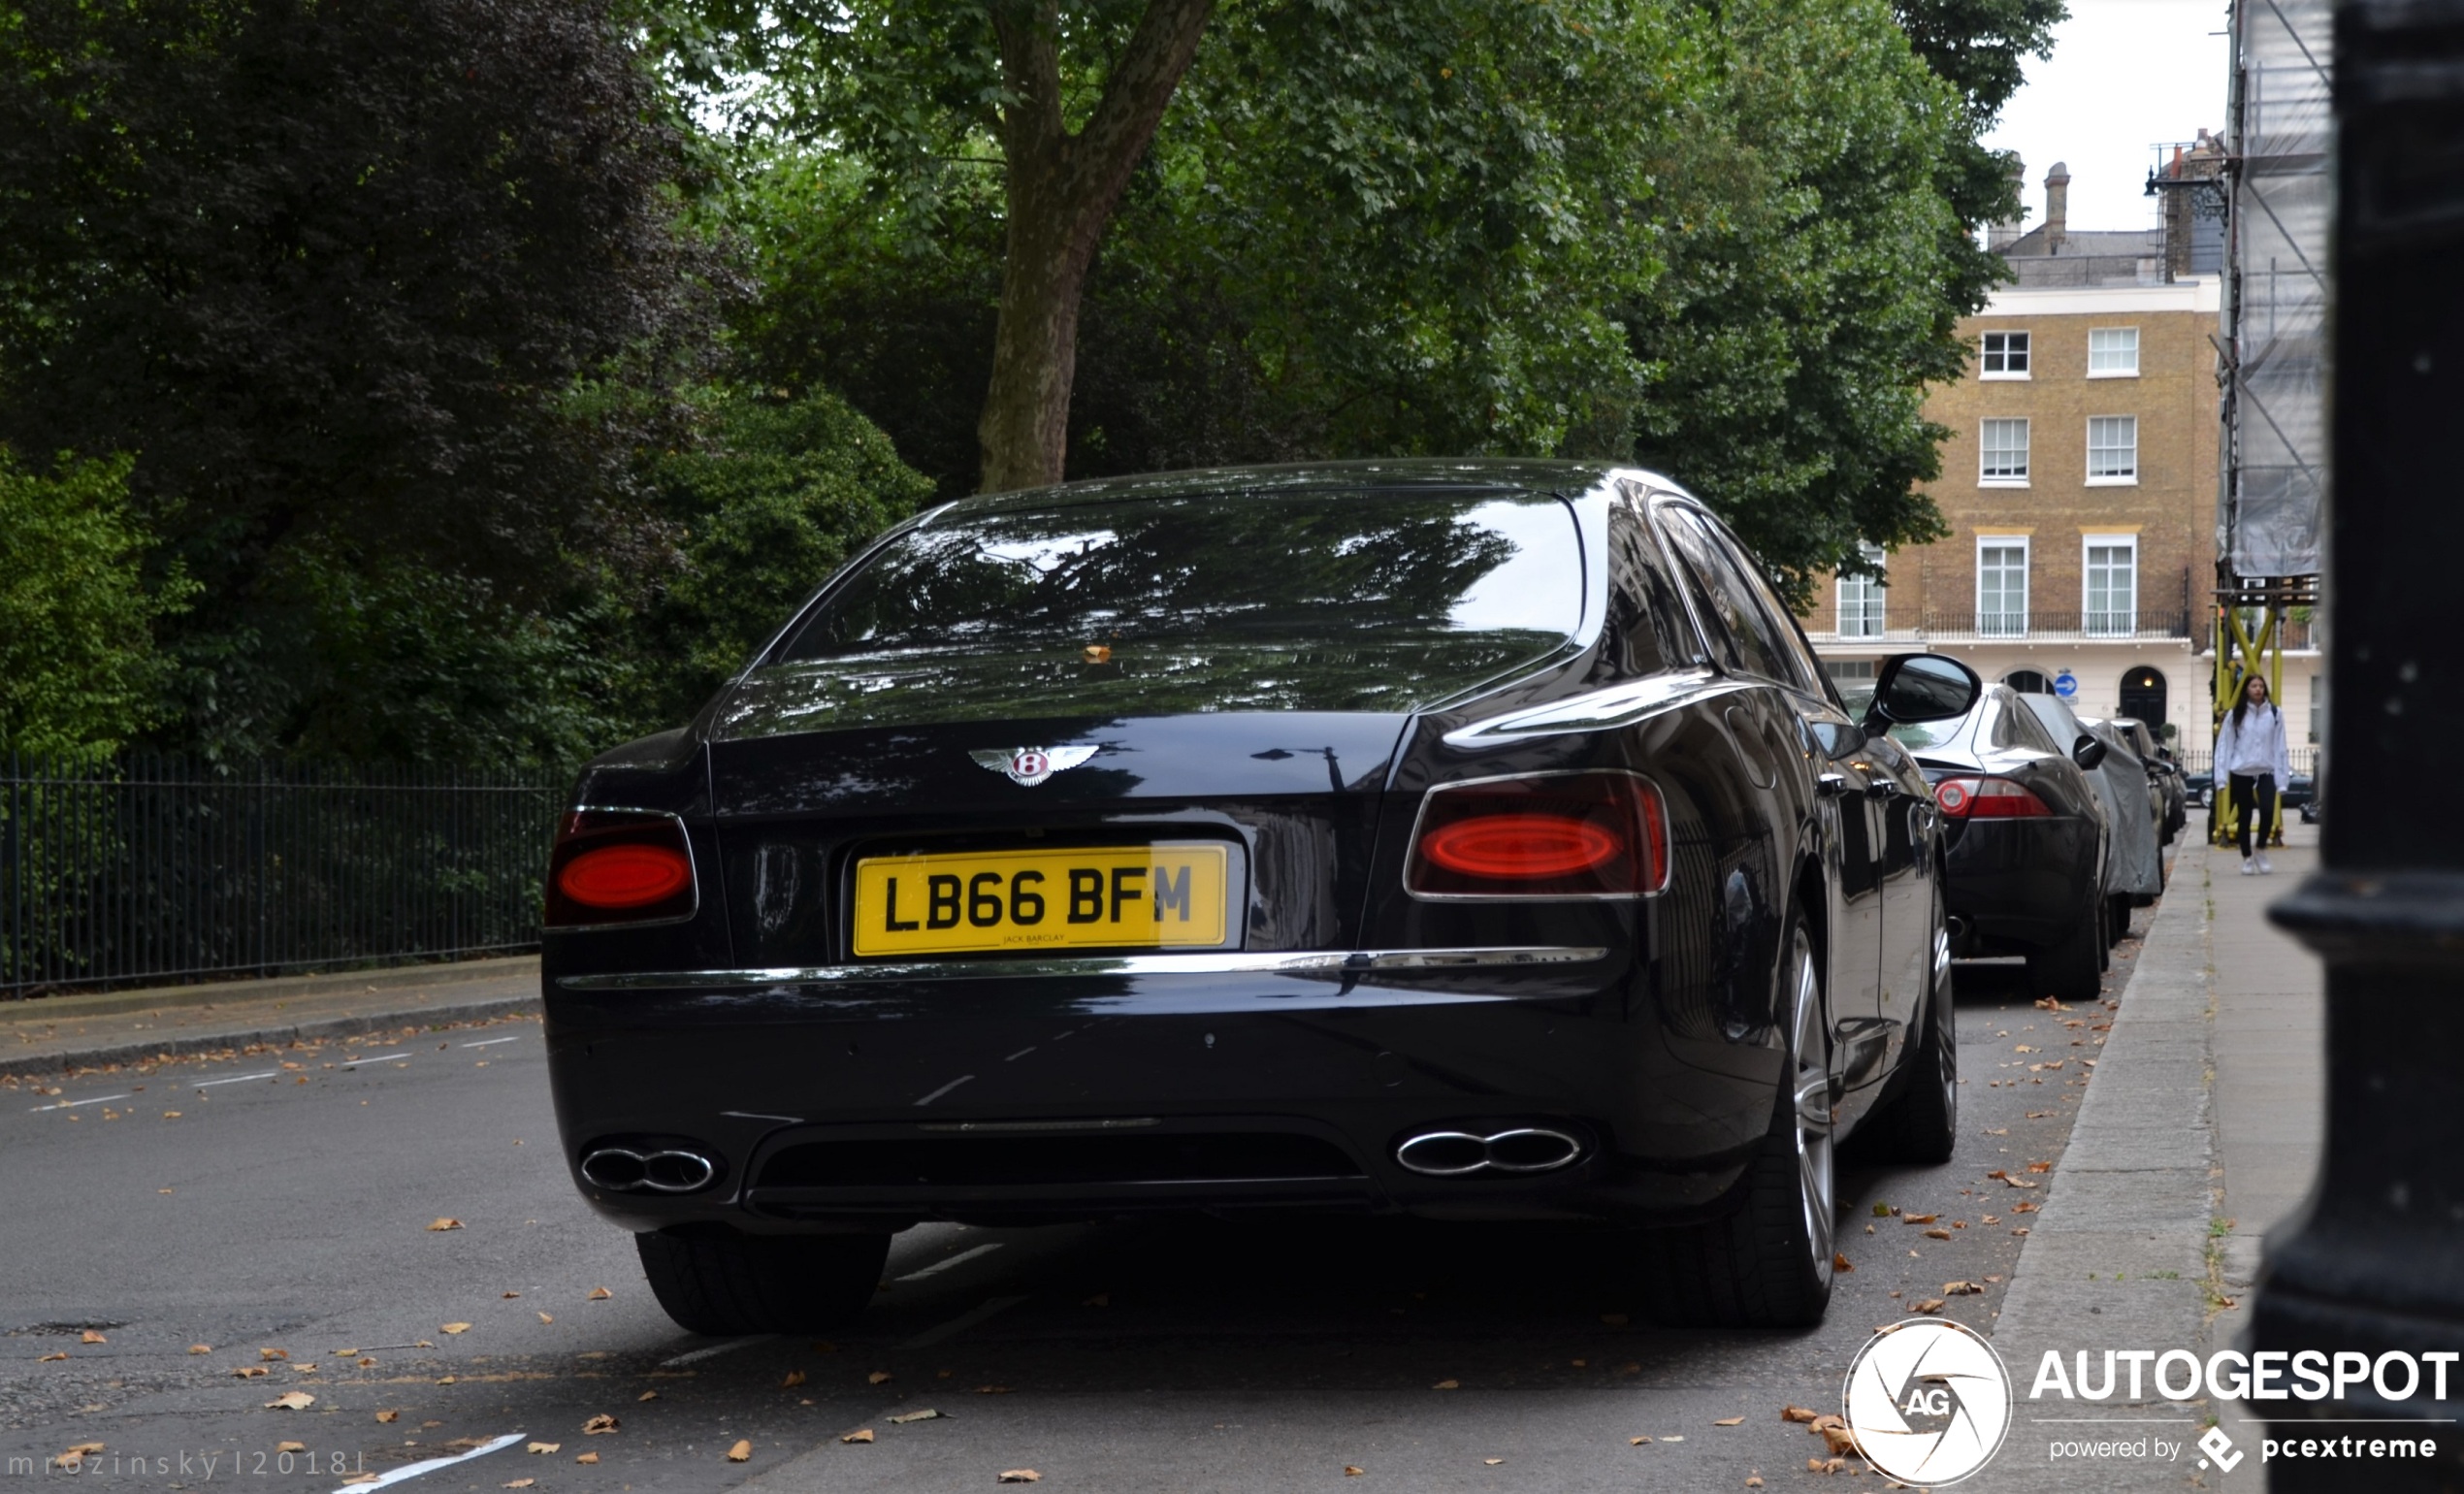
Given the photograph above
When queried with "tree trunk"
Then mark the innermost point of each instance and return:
(1061, 192)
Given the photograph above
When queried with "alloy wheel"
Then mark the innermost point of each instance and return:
(1815, 1173)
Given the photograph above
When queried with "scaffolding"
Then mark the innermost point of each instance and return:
(2272, 353)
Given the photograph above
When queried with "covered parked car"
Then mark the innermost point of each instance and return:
(2134, 863)
(2024, 842)
(2164, 777)
(1467, 839)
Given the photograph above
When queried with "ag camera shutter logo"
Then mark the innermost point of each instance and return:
(1929, 1400)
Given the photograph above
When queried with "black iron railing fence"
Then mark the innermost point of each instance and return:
(160, 868)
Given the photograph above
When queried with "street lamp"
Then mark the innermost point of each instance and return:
(2374, 1262)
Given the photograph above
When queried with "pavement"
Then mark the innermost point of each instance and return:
(196, 1194)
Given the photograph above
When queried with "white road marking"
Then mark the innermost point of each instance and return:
(945, 1090)
(961, 1323)
(696, 1355)
(1021, 1053)
(73, 1104)
(376, 1058)
(414, 1470)
(236, 1079)
(939, 1266)
(492, 1042)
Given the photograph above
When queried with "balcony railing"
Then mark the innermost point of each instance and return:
(2035, 625)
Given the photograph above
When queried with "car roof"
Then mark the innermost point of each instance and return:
(1431, 474)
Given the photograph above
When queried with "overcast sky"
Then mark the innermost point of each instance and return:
(2124, 74)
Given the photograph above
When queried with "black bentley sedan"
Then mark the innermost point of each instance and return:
(1475, 840)
(2026, 842)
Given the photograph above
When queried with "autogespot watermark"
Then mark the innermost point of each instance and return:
(1929, 1402)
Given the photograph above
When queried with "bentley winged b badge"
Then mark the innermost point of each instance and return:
(1029, 766)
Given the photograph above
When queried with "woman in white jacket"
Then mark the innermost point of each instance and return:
(2250, 755)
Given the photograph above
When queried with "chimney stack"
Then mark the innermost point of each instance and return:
(2056, 206)
(2002, 236)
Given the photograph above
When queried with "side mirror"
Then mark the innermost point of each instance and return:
(2087, 752)
(2166, 753)
(1910, 688)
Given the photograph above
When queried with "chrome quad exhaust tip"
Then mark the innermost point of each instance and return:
(668, 1170)
(1465, 1153)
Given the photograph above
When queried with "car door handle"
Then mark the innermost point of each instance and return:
(1833, 784)
(1881, 787)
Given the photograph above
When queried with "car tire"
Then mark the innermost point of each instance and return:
(2073, 970)
(726, 1285)
(2116, 919)
(1768, 1264)
(1921, 1124)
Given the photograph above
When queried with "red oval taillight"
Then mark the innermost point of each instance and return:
(624, 876)
(620, 867)
(1520, 847)
(1577, 834)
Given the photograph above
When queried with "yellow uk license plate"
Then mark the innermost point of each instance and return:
(1174, 895)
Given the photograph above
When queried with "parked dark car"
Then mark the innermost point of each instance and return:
(2163, 774)
(2134, 863)
(2025, 841)
(1468, 839)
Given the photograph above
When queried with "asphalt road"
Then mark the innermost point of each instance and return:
(279, 1205)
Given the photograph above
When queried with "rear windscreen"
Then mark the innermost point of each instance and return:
(1217, 602)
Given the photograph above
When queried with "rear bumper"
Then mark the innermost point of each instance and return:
(2019, 882)
(834, 1104)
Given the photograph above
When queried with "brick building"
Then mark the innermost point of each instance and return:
(2079, 483)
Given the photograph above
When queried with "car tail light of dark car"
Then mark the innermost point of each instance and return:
(619, 867)
(1987, 799)
(1578, 834)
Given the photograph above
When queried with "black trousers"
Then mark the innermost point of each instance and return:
(2255, 799)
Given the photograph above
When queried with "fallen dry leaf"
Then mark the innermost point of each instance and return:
(1753, 1481)
(1492, 1462)
(2024, 1207)
(859, 1435)
(1637, 1442)
(1030, 1475)
(290, 1447)
(1962, 1289)
(389, 1416)
(545, 1448)
(2040, 1167)
(992, 1390)
(1840, 1262)
(1447, 1385)
(171, 1114)
(546, 1318)
(925, 1414)
(602, 1422)
(88, 1450)
(1930, 1305)
(601, 1294)
(1839, 1439)
(519, 1484)
(1730, 1421)
(273, 1353)
(249, 1370)
(1798, 1413)
(1351, 1471)
(1989, 1219)
(647, 1395)
(795, 1377)
(1673, 1438)
(1918, 1218)
(742, 1452)
(47, 1358)
(509, 1297)
(879, 1378)
(201, 1349)
(1937, 1234)
(2017, 1183)
(457, 1327)
(291, 1400)
(587, 1457)
(445, 1380)
(445, 1224)
(90, 1336)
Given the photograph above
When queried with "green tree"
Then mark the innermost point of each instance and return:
(777, 495)
(339, 276)
(79, 672)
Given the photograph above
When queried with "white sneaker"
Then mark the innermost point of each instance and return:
(2249, 868)
(2266, 868)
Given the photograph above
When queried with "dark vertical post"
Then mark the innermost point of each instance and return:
(2375, 1263)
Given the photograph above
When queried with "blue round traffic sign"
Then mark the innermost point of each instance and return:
(2065, 684)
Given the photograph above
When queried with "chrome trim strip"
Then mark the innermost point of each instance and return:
(1326, 965)
(1599, 710)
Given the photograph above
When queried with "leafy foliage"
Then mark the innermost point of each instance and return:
(79, 672)
(335, 274)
